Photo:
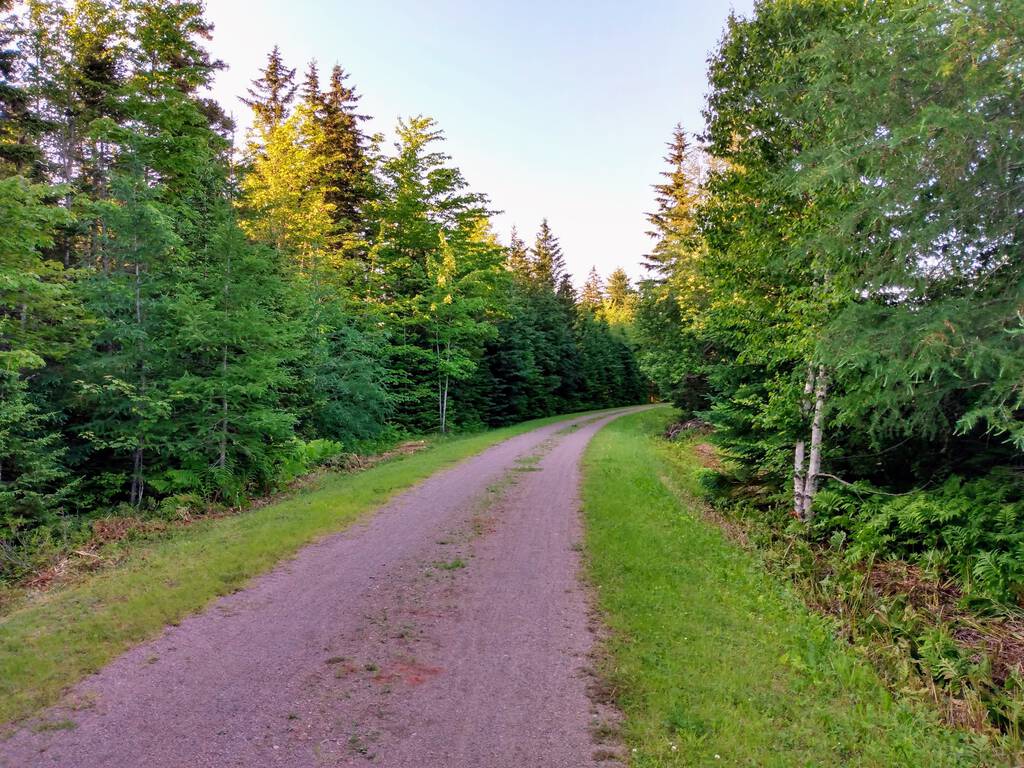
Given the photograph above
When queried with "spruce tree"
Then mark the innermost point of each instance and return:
(518, 259)
(271, 95)
(592, 295)
(19, 125)
(548, 260)
(342, 148)
(676, 197)
(620, 302)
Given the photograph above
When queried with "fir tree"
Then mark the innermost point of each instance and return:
(548, 260)
(676, 197)
(271, 95)
(620, 301)
(341, 147)
(19, 126)
(518, 259)
(592, 295)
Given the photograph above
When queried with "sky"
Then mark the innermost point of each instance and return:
(557, 109)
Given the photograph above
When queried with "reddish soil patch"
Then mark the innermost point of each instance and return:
(408, 672)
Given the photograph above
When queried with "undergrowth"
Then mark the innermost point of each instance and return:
(714, 661)
(925, 585)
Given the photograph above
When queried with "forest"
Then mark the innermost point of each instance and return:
(191, 318)
(838, 297)
(197, 318)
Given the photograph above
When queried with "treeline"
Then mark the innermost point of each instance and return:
(840, 277)
(182, 323)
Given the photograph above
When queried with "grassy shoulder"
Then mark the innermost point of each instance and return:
(712, 660)
(66, 634)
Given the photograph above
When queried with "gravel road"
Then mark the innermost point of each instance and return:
(448, 630)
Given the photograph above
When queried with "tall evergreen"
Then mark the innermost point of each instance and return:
(620, 299)
(676, 198)
(592, 295)
(548, 259)
(19, 125)
(518, 259)
(342, 145)
(271, 95)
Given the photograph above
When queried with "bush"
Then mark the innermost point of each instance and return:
(305, 457)
(969, 528)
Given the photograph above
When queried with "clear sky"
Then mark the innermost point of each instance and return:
(557, 108)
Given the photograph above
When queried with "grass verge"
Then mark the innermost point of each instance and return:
(68, 633)
(712, 660)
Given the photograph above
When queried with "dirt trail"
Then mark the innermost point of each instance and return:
(449, 630)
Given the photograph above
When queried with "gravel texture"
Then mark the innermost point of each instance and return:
(449, 629)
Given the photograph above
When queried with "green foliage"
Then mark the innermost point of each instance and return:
(968, 528)
(845, 217)
(306, 456)
(182, 327)
(708, 655)
(34, 484)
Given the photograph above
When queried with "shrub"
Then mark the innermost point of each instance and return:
(969, 528)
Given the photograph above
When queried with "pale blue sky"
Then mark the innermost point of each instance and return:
(557, 109)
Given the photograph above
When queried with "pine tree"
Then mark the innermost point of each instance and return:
(592, 295)
(518, 259)
(620, 302)
(271, 95)
(547, 257)
(346, 165)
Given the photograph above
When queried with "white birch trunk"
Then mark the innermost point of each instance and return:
(817, 433)
(799, 452)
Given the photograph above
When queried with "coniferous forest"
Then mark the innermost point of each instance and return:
(190, 316)
(197, 315)
(837, 297)
(839, 275)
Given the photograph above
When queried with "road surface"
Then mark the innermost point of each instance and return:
(450, 629)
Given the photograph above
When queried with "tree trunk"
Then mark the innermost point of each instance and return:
(817, 430)
(138, 483)
(799, 452)
(222, 453)
(444, 406)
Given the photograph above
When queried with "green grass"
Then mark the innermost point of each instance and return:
(70, 632)
(713, 662)
(454, 565)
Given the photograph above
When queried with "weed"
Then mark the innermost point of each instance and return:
(55, 725)
(452, 565)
